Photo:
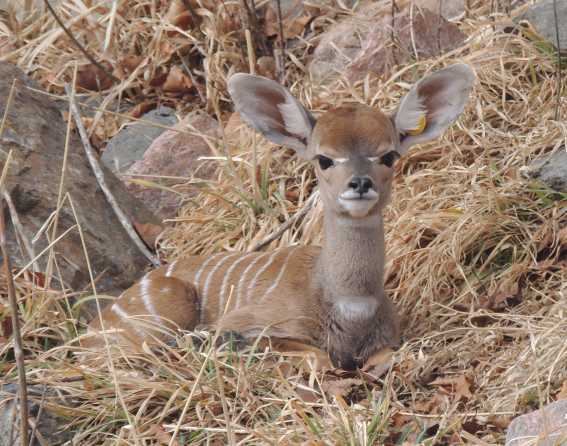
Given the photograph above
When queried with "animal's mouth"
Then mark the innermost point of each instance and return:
(356, 204)
(351, 195)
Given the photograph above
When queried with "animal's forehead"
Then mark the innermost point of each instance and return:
(351, 129)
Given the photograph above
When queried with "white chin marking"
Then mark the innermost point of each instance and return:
(357, 208)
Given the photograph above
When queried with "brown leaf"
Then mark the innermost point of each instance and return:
(307, 395)
(562, 395)
(341, 387)
(90, 77)
(148, 232)
(177, 81)
(266, 66)
(178, 15)
(142, 108)
(458, 386)
(293, 23)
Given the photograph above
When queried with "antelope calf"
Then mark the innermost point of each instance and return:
(329, 298)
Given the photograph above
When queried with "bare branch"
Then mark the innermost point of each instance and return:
(18, 344)
(79, 46)
(99, 174)
(288, 224)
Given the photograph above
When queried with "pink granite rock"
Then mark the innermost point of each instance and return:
(175, 154)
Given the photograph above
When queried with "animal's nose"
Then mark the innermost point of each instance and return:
(360, 185)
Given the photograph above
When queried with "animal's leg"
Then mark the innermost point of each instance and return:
(149, 312)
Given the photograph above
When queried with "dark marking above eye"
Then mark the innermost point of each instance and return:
(324, 162)
(389, 158)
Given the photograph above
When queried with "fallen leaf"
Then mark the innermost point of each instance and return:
(266, 66)
(293, 22)
(458, 386)
(562, 395)
(341, 387)
(177, 81)
(149, 232)
(90, 77)
(142, 108)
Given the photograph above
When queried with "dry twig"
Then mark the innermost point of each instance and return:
(99, 174)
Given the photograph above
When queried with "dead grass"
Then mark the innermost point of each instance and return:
(477, 255)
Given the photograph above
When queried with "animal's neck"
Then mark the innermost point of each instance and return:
(352, 262)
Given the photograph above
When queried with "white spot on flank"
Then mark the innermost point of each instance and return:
(252, 284)
(242, 280)
(205, 296)
(222, 295)
(280, 275)
(170, 268)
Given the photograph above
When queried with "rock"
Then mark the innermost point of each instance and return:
(176, 153)
(35, 133)
(49, 425)
(545, 427)
(449, 9)
(363, 43)
(552, 171)
(130, 144)
(541, 17)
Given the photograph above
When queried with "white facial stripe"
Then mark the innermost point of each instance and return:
(252, 284)
(242, 280)
(205, 295)
(373, 159)
(280, 275)
(340, 160)
(223, 291)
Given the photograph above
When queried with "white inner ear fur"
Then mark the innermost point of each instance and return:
(295, 120)
(409, 113)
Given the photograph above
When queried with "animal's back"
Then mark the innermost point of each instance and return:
(228, 281)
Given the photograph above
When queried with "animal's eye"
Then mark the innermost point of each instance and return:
(325, 162)
(389, 158)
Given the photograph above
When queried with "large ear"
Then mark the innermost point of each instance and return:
(271, 109)
(432, 105)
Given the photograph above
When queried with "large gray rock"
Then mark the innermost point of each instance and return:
(542, 17)
(35, 133)
(132, 141)
(545, 427)
(552, 171)
(49, 425)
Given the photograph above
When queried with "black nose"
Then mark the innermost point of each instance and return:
(360, 184)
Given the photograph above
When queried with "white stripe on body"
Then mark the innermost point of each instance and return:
(222, 295)
(170, 268)
(119, 311)
(252, 284)
(279, 276)
(147, 298)
(205, 296)
(204, 266)
(242, 280)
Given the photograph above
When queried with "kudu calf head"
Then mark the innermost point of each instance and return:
(354, 147)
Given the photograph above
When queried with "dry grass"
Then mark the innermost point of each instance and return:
(477, 256)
